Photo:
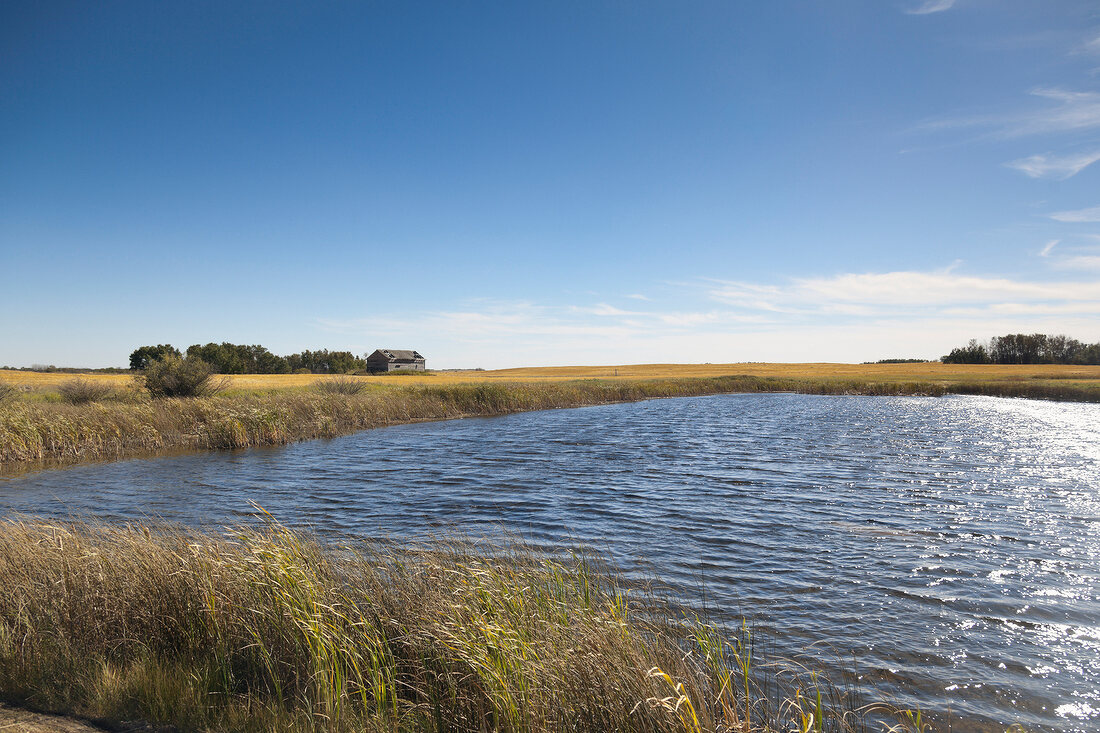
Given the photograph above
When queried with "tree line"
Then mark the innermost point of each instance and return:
(1023, 348)
(227, 358)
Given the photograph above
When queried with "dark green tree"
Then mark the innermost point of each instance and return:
(143, 356)
(972, 353)
(1017, 348)
(324, 361)
(227, 358)
(1026, 348)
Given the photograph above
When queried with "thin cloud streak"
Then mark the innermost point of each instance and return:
(1078, 216)
(931, 6)
(1026, 309)
(1058, 168)
(923, 291)
(1048, 247)
(1080, 262)
(1078, 111)
(605, 309)
(524, 322)
(1075, 111)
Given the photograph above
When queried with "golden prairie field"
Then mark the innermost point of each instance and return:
(933, 372)
(926, 372)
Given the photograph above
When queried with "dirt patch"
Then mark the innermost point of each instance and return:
(17, 720)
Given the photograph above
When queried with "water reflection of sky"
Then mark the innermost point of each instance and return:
(945, 548)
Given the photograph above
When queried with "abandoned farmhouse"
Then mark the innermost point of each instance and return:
(392, 360)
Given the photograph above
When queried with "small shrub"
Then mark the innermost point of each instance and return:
(341, 386)
(81, 391)
(176, 377)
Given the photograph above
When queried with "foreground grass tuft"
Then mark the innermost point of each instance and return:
(269, 630)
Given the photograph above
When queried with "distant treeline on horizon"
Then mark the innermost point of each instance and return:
(227, 358)
(1021, 348)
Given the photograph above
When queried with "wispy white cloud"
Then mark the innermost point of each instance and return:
(890, 292)
(1071, 111)
(931, 6)
(844, 317)
(638, 296)
(998, 310)
(1048, 247)
(1078, 216)
(1057, 167)
(1076, 111)
(605, 309)
(488, 319)
(1080, 262)
(527, 328)
(751, 296)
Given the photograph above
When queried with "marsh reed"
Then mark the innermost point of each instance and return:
(81, 391)
(37, 430)
(39, 426)
(341, 385)
(265, 628)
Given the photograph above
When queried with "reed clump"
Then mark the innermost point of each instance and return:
(267, 629)
(1055, 389)
(342, 385)
(81, 391)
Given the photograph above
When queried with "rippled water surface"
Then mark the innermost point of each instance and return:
(948, 550)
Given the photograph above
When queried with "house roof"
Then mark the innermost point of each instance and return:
(399, 354)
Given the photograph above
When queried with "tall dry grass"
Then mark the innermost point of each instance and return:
(81, 391)
(341, 385)
(266, 629)
(41, 430)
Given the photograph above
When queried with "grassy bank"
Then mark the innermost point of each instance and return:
(36, 425)
(266, 629)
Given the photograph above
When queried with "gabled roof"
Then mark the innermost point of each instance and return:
(399, 354)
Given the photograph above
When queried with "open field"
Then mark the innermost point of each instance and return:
(928, 371)
(931, 372)
(266, 629)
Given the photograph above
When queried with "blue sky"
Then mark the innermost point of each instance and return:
(505, 184)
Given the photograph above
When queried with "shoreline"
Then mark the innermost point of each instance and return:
(39, 435)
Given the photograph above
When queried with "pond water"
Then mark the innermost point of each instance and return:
(944, 551)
